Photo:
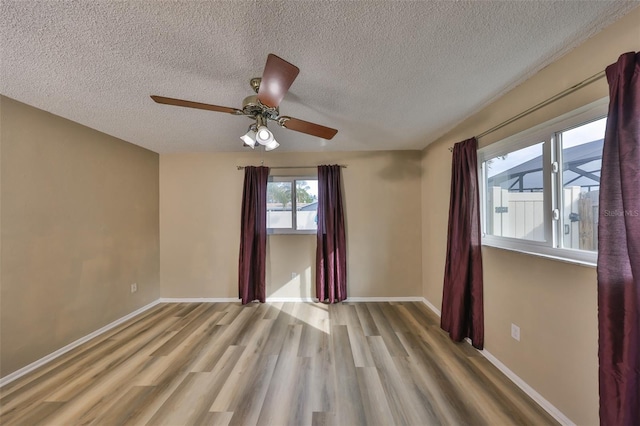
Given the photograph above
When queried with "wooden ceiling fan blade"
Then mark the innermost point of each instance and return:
(307, 127)
(277, 77)
(197, 105)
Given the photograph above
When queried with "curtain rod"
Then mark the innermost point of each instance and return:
(543, 104)
(344, 166)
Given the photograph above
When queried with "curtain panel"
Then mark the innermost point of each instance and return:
(253, 235)
(462, 294)
(331, 250)
(619, 248)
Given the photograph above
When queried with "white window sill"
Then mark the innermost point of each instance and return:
(543, 255)
(271, 232)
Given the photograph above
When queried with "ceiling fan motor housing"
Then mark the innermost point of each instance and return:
(252, 107)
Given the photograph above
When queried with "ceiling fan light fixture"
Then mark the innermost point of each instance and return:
(271, 145)
(264, 135)
(249, 138)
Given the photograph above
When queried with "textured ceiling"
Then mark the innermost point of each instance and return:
(387, 75)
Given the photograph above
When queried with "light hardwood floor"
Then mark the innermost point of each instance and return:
(271, 364)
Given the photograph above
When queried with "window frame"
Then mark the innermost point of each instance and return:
(546, 132)
(293, 230)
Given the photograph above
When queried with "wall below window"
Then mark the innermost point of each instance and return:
(79, 225)
(200, 202)
(554, 303)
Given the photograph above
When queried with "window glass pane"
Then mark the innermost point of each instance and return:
(307, 204)
(514, 194)
(279, 205)
(581, 164)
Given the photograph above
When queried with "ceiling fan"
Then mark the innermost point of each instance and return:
(277, 77)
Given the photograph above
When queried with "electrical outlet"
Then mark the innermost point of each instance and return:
(293, 275)
(134, 287)
(515, 332)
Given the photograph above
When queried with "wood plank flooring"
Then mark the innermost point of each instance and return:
(271, 364)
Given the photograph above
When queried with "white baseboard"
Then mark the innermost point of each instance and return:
(349, 299)
(292, 299)
(531, 392)
(48, 358)
(198, 299)
(432, 306)
(385, 299)
(546, 405)
(287, 299)
(230, 299)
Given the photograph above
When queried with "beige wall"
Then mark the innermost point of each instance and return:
(554, 303)
(79, 225)
(200, 200)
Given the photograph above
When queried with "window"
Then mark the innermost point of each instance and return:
(514, 199)
(540, 188)
(292, 205)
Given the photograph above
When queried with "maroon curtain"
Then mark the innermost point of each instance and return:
(462, 306)
(331, 253)
(619, 248)
(253, 235)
